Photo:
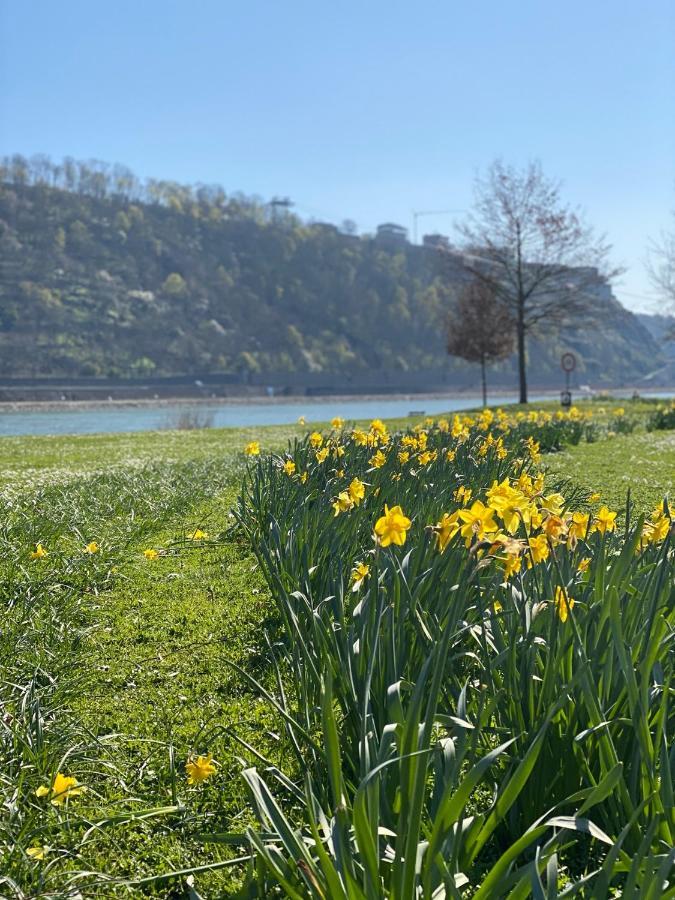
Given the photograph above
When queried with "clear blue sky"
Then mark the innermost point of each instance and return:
(364, 110)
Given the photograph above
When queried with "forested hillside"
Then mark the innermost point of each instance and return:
(103, 275)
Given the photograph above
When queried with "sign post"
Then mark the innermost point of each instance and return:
(568, 362)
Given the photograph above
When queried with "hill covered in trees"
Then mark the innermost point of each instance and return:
(104, 275)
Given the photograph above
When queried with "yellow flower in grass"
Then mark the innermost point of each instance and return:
(198, 535)
(92, 547)
(38, 853)
(446, 529)
(357, 491)
(427, 457)
(553, 504)
(462, 494)
(39, 552)
(563, 603)
(511, 564)
(303, 477)
(604, 520)
(337, 422)
(316, 439)
(378, 427)
(554, 527)
(443, 425)
(342, 503)
(539, 549)
(478, 522)
(199, 769)
(252, 448)
(322, 455)
(584, 564)
(360, 437)
(450, 455)
(594, 498)
(289, 467)
(62, 788)
(391, 528)
(378, 460)
(150, 553)
(301, 420)
(578, 528)
(403, 457)
(533, 449)
(359, 574)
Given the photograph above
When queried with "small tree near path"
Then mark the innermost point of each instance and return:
(535, 252)
(480, 328)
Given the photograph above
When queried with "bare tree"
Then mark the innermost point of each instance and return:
(661, 266)
(480, 328)
(536, 253)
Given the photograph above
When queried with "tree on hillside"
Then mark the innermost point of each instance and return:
(535, 252)
(480, 328)
(661, 266)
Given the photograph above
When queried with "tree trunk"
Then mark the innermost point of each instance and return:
(522, 374)
(483, 379)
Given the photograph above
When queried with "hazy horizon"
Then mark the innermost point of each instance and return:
(363, 114)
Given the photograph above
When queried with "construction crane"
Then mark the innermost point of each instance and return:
(430, 212)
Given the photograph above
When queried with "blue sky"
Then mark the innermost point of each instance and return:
(364, 110)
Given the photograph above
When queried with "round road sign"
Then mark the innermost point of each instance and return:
(568, 362)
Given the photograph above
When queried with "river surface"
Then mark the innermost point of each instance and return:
(114, 418)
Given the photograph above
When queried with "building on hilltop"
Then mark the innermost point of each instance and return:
(391, 235)
(436, 241)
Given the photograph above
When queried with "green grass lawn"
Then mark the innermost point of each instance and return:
(137, 657)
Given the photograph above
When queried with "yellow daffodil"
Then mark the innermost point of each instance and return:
(150, 553)
(554, 527)
(302, 421)
(584, 564)
(92, 547)
(357, 491)
(511, 564)
(604, 520)
(378, 460)
(378, 427)
(539, 549)
(450, 455)
(303, 477)
(446, 529)
(39, 552)
(199, 769)
(359, 574)
(62, 789)
(578, 528)
(322, 455)
(252, 448)
(316, 439)
(342, 503)
(478, 521)
(563, 603)
(532, 447)
(38, 853)
(403, 457)
(426, 457)
(337, 423)
(462, 494)
(289, 467)
(391, 528)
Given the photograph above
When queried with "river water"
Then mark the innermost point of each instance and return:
(114, 418)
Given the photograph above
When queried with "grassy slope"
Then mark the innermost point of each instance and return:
(643, 463)
(156, 669)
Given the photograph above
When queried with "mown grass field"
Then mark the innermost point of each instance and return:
(117, 667)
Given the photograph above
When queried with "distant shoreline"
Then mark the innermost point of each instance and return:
(472, 398)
